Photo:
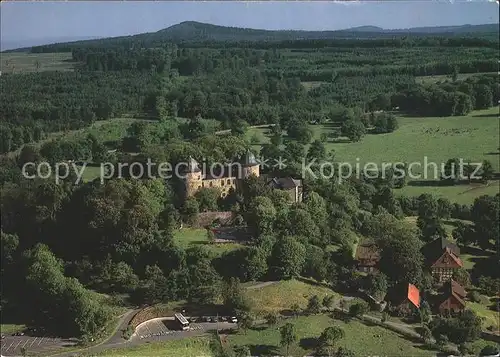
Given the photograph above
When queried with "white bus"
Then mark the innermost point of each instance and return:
(182, 321)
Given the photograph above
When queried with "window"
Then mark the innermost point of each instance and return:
(211, 183)
(222, 182)
(228, 181)
(203, 184)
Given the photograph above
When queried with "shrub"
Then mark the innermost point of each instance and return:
(358, 309)
(490, 286)
(489, 350)
(128, 332)
(474, 296)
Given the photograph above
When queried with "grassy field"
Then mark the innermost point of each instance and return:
(189, 347)
(191, 237)
(26, 62)
(473, 137)
(11, 328)
(282, 295)
(438, 78)
(363, 340)
(312, 85)
(490, 317)
(463, 194)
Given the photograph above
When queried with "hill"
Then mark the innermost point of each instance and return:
(192, 31)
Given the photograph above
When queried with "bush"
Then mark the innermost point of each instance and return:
(489, 285)
(314, 305)
(358, 309)
(489, 350)
(128, 332)
(474, 296)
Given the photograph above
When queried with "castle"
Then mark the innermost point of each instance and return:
(229, 177)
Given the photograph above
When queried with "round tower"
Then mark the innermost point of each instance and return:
(250, 165)
(192, 177)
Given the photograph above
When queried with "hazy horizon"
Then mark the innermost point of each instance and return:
(25, 24)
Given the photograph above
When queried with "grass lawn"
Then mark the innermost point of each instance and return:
(282, 295)
(188, 347)
(25, 62)
(363, 340)
(90, 173)
(11, 328)
(190, 237)
(490, 317)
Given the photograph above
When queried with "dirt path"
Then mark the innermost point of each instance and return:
(261, 285)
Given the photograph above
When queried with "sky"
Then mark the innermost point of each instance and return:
(32, 23)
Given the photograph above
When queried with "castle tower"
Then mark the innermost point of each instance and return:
(250, 165)
(193, 177)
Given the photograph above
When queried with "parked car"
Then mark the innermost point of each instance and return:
(234, 320)
(193, 319)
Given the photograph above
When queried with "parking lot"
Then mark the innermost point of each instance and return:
(164, 327)
(12, 345)
(158, 328)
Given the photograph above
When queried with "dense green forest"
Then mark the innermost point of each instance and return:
(62, 243)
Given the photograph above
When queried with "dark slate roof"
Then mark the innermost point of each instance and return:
(433, 250)
(452, 288)
(192, 165)
(285, 183)
(249, 159)
(368, 252)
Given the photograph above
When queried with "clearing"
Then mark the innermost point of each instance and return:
(422, 140)
(191, 237)
(444, 77)
(363, 340)
(22, 62)
(281, 296)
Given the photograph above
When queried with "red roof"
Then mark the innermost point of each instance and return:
(414, 295)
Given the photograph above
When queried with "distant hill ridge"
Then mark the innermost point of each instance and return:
(193, 31)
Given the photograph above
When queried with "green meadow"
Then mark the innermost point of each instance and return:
(423, 141)
(191, 237)
(362, 339)
(22, 62)
(188, 347)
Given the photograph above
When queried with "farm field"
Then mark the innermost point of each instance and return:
(281, 296)
(191, 237)
(189, 347)
(363, 340)
(22, 62)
